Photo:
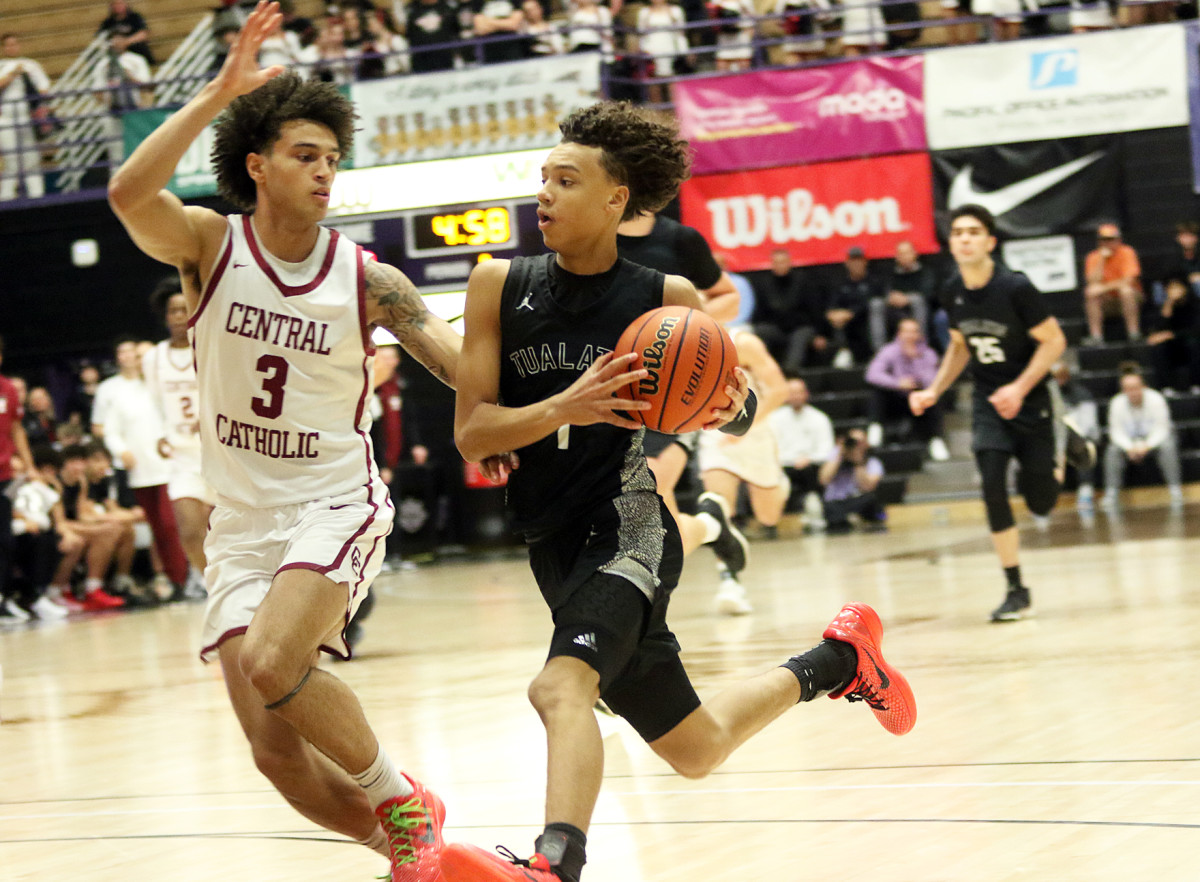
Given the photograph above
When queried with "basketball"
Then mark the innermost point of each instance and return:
(690, 359)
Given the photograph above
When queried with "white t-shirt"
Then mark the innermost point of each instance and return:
(131, 421)
(807, 433)
(34, 501)
(13, 97)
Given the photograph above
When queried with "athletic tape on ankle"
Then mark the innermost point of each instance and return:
(275, 705)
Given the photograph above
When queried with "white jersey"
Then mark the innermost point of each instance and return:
(285, 366)
(171, 375)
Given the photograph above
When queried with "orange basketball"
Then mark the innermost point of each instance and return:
(690, 358)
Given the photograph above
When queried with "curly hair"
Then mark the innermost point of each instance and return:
(639, 149)
(252, 123)
(167, 288)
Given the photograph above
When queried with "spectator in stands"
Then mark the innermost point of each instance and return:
(1091, 15)
(502, 21)
(543, 39)
(129, 30)
(354, 33)
(863, 29)
(910, 290)
(745, 291)
(303, 28)
(331, 60)
(789, 315)
(431, 23)
(281, 47)
(88, 537)
(1113, 280)
(385, 52)
(590, 28)
(735, 34)
(126, 417)
(39, 531)
(14, 449)
(848, 312)
(79, 408)
(40, 420)
(22, 80)
(1187, 261)
(1139, 424)
(224, 36)
(1175, 338)
(122, 80)
(802, 21)
(661, 39)
(898, 368)
(850, 477)
(1081, 408)
(805, 437)
(113, 500)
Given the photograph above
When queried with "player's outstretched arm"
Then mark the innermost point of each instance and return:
(482, 427)
(393, 302)
(156, 219)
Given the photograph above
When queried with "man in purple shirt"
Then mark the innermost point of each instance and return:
(905, 365)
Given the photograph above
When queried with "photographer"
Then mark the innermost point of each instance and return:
(850, 477)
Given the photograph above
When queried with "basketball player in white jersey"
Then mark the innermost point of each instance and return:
(170, 371)
(282, 311)
(727, 461)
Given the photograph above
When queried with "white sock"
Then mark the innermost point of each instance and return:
(382, 781)
(712, 527)
(91, 585)
(377, 841)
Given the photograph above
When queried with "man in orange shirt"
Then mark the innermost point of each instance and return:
(1113, 275)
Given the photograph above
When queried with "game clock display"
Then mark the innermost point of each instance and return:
(461, 229)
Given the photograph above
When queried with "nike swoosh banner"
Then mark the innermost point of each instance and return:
(814, 211)
(1036, 189)
(760, 120)
(1031, 90)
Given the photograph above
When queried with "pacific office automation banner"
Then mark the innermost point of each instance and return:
(194, 176)
(1032, 90)
(761, 120)
(492, 109)
(1036, 189)
(816, 212)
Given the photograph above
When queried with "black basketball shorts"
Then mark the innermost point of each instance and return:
(608, 579)
(1029, 436)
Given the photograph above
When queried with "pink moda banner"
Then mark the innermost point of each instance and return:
(866, 107)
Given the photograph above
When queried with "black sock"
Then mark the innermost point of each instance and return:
(827, 667)
(564, 847)
(1013, 575)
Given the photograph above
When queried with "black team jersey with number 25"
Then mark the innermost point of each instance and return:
(996, 320)
(553, 325)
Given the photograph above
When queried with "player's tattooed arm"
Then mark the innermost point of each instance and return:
(393, 302)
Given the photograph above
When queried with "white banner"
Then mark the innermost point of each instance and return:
(1049, 261)
(1035, 90)
(496, 108)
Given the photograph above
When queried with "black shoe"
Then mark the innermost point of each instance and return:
(1081, 453)
(1015, 607)
(730, 546)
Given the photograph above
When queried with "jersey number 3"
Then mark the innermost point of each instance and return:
(276, 369)
(987, 350)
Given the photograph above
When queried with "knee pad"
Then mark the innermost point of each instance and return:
(993, 470)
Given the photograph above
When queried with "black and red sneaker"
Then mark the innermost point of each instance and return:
(468, 863)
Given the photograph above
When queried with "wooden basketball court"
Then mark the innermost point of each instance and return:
(1062, 748)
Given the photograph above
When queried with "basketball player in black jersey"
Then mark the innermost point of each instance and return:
(660, 243)
(536, 376)
(999, 324)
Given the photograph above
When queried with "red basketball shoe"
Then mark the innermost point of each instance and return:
(467, 863)
(98, 599)
(876, 682)
(413, 825)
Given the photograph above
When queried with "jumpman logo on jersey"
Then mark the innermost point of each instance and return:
(525, 304)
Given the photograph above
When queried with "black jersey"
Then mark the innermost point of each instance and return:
(996, 320)
(673, 248)
(553, 325)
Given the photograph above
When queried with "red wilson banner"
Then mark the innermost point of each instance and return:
(816, 212)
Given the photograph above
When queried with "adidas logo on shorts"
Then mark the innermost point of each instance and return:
(588, 641)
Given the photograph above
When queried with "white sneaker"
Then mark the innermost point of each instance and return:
(731, 598)
(15, 610)
(194, 588)
(874, 434)
(1110, 501)
(1176, 498)
(1042, 522)
(814, 512)
(938, 451)
(843, 359)
(47, 610)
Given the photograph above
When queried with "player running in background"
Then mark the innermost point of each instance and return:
(1001, 327)
(603, 547)
(282, 311)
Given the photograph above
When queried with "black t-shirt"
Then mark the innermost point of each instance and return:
(996, 320)
(501, 46)
(788, 302)
(429, 24)
(553, 325)
(675, 249)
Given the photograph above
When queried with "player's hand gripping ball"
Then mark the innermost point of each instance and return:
(689, 359)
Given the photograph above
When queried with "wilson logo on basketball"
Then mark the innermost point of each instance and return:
(652, 355)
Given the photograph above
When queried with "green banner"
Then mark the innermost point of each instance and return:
(194, 176)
